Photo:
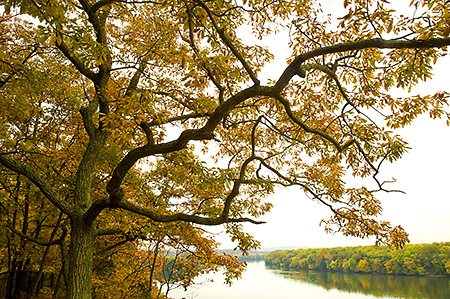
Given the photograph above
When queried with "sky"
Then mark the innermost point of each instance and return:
(423, 211)
(423, 174)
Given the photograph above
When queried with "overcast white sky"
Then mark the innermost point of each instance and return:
(423, 173)
(423, 211)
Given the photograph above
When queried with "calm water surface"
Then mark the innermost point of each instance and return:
(259, 282)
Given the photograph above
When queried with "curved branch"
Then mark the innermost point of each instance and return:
(367, 15)
(101, 3)
(76, 62)
(129, 206)
(98, 22)
(148, 133)
(34, 240)
(149, 150)
(305, 127)
(87, 113)
(95, 20)
(37, 180)
(229, 43)
(114, 190)
(237, 184)
(336, 211)
(117, 201)
(194, 47)
(109, 231)
(295, 68)
(205, 133)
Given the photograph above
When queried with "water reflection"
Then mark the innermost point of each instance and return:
(375, 284)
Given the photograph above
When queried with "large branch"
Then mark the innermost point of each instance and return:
(295, 68)
(126, 205)
(37, 180)
(86, 169)
(87, 113)
(205, 133)
(116, 194)
(76, 62)
(98, 21)
(102, 3)
(95, 21)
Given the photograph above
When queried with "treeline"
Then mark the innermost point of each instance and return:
(420, 259)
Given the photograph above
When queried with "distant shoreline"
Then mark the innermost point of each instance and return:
(413, 260)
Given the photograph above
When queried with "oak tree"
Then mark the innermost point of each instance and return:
(137, 123)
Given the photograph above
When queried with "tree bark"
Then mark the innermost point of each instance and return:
(80, 260)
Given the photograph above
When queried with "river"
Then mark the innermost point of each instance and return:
(260, 282)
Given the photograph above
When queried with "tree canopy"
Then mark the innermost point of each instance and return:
(134, 124)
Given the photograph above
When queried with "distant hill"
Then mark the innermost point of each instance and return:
(254, 255)
(262, 250)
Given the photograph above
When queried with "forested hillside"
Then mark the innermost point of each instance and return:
(420, 259)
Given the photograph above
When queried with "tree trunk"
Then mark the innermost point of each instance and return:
(80, 260)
